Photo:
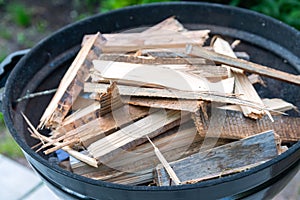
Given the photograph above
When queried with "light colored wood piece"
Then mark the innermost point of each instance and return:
(242, 84)
(169, 77)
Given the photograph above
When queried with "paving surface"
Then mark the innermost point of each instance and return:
(20, 183)
(17, 182)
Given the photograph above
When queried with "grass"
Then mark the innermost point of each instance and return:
(8, 146)
(19, 14)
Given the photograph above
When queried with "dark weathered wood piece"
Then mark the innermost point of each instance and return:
(242, 64)
(233, 125)
(217, 161)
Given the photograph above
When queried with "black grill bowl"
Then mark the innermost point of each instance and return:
(268, 42)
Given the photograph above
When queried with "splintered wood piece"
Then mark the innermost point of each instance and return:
(128, 58)
(96, 129)
(169, 24)
(173, 104)
(217, 161)
(233, 125)
(197, 51)
(110, 100)
(173, 94)
(134, 134)
(128, 42)
(88, 160)
(169, 77)
(242, 84)
(72, 83)
(174, 144)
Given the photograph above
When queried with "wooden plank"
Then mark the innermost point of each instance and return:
(128, 42)
(243, 86)
(129, 58)
(134, 134)
(233, 125)
(169, 77)
(133, 91)
(172, 104)
(258, 148)
(71, 84)
(194, 50)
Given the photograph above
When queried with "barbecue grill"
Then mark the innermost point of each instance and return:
(266, 40)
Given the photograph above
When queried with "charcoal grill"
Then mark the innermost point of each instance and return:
(268, 41)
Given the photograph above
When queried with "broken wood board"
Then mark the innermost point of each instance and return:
(174, 144)
(215, 162)
(71, 84)
(129, 58)
(147, 75)
(172, 104)
(110, 100)
(134, 134)
(243, 86)
(197, 51)
(96, 129)
(128, 42)
(134, 91)
(233, 125)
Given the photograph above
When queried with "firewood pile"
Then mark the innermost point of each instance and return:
(161, 107)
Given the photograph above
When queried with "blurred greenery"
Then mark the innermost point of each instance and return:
(287, 11)
(8, 146)
(107, 5)
(19, 13)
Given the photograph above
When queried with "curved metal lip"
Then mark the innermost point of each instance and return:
(7, 106)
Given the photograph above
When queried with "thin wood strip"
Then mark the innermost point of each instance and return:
(173, 104)
(197, 51)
